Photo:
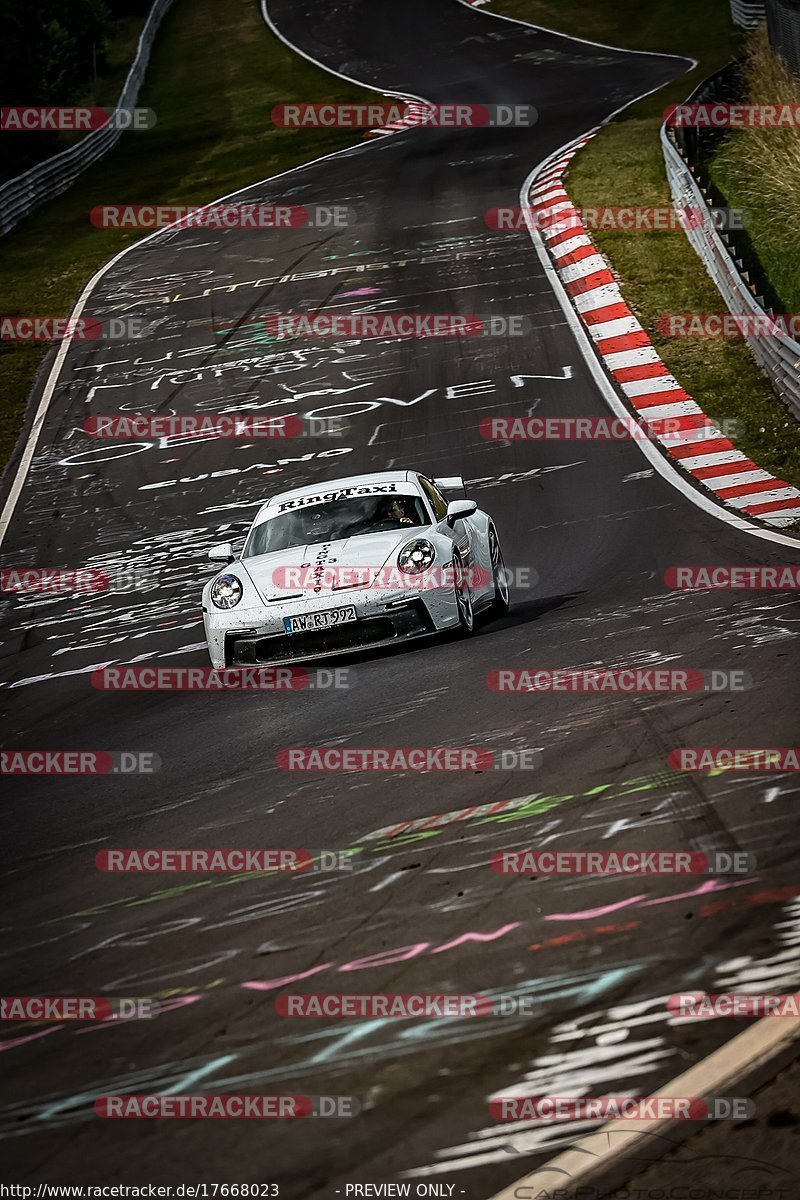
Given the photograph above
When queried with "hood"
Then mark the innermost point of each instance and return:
(315, 569)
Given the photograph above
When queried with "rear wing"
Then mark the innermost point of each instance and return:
(450, 483)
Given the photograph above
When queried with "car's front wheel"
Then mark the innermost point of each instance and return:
(502, 595)
(466, 613)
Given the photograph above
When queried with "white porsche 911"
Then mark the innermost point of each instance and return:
(365, 561)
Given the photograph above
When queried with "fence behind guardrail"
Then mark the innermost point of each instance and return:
(783, 25)
(20, 196)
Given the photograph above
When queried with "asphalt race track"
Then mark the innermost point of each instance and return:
(596, 528)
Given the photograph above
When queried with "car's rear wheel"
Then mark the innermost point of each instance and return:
(502, 594)
(466, 613)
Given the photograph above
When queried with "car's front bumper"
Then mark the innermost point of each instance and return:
(256, 636)
(380, 629)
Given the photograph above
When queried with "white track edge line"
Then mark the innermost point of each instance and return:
(586, 41)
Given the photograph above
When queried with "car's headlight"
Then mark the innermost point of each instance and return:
(416, 556)
(226, 592)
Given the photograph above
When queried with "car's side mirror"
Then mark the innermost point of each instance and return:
(222, 553)
(458, 509)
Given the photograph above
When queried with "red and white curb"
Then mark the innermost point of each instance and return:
(696, 446)
(415, 114)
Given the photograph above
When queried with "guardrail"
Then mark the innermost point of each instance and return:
(20, 196)
(778, 355)
(746, 14)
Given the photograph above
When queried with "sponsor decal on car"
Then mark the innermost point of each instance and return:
(375, 489)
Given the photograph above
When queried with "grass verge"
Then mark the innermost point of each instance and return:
(659, 272)
(759, 170)
(215, 73)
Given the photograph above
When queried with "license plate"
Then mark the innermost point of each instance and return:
(320, 620)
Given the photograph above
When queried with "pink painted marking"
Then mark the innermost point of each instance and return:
(587, 914)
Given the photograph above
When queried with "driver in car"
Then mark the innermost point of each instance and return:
(395, 510)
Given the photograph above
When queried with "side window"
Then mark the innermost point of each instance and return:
(438, 502)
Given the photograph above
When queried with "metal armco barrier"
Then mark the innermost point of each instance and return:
(783, 26)
(778, 355)
(686, 150)
(746, 14)
(20, 196)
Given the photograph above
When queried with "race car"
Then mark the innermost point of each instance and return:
(361, 562)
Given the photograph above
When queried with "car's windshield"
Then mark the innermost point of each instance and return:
(335, 520)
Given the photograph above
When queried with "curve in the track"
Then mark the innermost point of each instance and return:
(597, 527)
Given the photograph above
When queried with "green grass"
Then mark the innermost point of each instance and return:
(759, 170)
(215, 73)
(779, 259)
(659, 272)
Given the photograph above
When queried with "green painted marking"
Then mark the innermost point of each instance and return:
(534, 807)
